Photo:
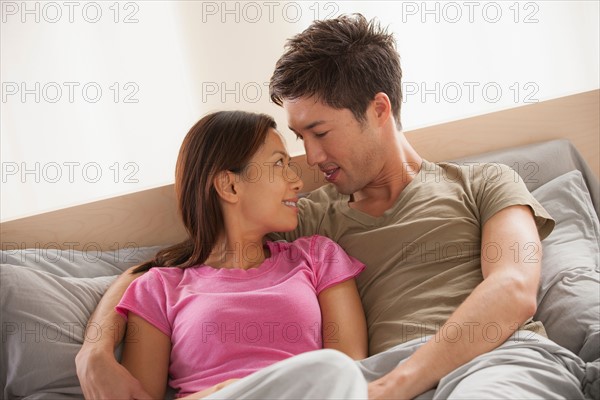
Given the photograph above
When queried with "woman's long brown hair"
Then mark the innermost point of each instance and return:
(221, 141)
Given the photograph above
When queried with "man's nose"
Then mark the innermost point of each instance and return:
(314, 152)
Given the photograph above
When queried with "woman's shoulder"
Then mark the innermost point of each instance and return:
(165, 275)
(311, 246)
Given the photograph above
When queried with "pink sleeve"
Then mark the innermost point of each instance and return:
(146, 297)
(331, 264)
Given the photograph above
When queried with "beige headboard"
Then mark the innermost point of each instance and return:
(150, 217)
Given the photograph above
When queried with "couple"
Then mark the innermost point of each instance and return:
(427, 307)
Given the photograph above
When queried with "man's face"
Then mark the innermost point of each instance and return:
(348, 152)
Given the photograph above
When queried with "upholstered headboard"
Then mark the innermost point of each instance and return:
(150, 217)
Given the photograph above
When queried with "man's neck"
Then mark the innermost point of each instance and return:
(381, 194)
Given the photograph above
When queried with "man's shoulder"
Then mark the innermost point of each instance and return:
(471, 172)
(468, 166)
(318, 210)
(323, 195)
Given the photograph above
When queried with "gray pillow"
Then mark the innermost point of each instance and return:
(47, 297)
(539, 163)
(77, 264)
(569, 295)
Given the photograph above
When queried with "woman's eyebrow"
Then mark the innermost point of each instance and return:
(283, 153)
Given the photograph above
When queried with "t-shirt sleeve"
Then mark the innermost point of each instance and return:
(499, 187)
(146, 297)
(331, 264)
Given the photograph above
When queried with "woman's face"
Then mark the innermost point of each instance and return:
(269, 189)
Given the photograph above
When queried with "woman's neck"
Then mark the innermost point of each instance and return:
(237, 251)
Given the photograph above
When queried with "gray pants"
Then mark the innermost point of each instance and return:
(526, 366)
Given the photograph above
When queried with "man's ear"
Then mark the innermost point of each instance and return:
(382, 107)
(226, 186)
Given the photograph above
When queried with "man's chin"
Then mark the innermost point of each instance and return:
(345, 188)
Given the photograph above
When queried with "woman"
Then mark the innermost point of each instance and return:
(227, 303)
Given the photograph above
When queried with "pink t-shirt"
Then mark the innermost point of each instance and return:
(229, 323)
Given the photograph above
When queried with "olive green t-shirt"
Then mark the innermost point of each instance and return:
(423, 254)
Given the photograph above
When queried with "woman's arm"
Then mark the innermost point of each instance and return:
(99, 373)
(344, 324)
(146, 355)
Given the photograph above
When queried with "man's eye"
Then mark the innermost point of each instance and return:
(299, 137)
(279, 162)
(321, 134)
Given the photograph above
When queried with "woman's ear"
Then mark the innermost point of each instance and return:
(226, 186)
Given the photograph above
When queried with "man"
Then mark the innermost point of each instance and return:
(453, 253)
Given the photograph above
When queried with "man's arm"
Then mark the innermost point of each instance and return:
(510, 263)
(99, 373)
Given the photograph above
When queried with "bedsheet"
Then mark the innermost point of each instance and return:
(48, 295)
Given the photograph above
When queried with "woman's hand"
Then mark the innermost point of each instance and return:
(210, 390)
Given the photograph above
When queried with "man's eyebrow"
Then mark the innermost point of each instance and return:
(309, 126)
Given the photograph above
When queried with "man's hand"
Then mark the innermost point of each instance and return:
(102, 377)
(393, 386)
(505, 298)
(380, 389)
(99, 373)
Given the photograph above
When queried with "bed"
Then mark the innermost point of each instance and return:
(56, 266)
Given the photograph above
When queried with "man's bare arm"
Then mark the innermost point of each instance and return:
(99, 373)
(506, 299)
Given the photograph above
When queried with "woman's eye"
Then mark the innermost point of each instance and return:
(321, 134)
(279, 162)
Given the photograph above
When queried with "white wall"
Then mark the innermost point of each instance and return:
(172, 62)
